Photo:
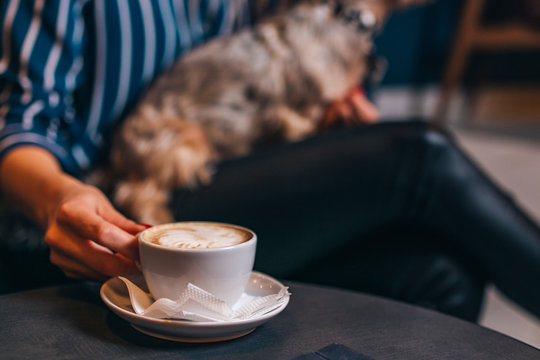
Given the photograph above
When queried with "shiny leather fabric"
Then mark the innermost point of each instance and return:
(391, 193)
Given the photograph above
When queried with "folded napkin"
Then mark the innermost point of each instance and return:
(197, 304)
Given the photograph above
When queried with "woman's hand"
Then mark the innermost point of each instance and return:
(354, 108)
(87, 237)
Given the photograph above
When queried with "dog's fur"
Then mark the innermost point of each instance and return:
(269, 82)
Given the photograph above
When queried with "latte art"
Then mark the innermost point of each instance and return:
(197, 235)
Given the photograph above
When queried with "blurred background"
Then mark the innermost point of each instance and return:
(474, 65)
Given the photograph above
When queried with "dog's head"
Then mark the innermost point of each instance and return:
(368, 17)
(368, 14)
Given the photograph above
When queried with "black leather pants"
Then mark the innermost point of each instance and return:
(394, 208)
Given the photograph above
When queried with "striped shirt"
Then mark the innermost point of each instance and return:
(71, 69)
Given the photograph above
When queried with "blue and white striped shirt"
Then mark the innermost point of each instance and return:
(70, 69)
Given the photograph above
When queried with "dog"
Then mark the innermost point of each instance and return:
(269, 82)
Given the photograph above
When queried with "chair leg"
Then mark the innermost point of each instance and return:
(459, 54)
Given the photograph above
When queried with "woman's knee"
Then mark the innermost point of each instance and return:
(438, 156)
(430, 138)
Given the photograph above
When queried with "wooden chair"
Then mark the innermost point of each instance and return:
(472, 36)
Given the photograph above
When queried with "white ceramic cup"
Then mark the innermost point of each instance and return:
(222, 271)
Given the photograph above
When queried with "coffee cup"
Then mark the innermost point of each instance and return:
(216, 257)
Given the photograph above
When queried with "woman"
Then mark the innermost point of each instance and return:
(395, 209)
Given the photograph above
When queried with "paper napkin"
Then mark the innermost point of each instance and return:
(196, 304)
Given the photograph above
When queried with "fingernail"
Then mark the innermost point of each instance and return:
(146, 225)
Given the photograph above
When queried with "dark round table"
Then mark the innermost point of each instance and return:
(71, 322)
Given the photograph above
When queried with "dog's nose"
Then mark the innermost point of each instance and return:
(364, 20)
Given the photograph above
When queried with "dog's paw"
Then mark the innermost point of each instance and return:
(144, 201)
(295, 126)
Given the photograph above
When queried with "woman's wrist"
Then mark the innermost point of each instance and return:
(33, 182)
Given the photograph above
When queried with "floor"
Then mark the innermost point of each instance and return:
(515, 164)
(509, 151)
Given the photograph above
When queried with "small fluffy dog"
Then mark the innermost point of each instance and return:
(272, 81)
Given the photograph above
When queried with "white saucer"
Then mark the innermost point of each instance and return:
(115, 295)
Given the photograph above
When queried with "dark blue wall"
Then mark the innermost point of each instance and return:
(416, 44)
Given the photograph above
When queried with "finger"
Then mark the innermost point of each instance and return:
(109, 264)
(112, 215)
(86, 259)
(365, 111)
(330, 117)
(345, 111)
(62, 246)
(74, 269)
(88, 225)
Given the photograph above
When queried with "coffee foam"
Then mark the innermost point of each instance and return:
(197, 235)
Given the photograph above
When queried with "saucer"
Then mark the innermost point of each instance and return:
(115, 295)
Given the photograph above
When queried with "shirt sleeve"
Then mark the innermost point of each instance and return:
(40, 63)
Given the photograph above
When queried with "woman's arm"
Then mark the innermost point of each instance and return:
(86, 235)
